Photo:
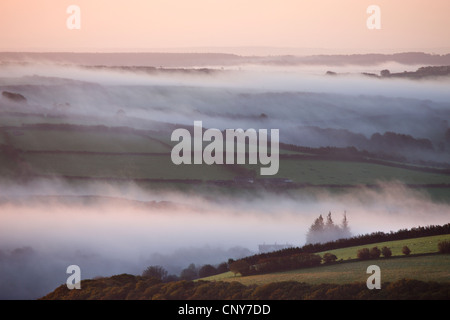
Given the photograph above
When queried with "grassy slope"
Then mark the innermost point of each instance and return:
(86, 141)
(347, 172)
(129, 166)
(416, 245)
(426, 268)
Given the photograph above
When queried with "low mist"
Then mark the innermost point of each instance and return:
(107, 229)
(110, 234)
(296, 101)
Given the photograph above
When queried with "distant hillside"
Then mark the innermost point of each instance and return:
(158, 59)
(422, 72)
(128, 287)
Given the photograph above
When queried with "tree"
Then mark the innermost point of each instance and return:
(405, 250)
(156, 272)
(16, 97)
(321, 232)
(190, 273)
(318, 225)
(363, 254)
(386, 252)
(329, 224)
(385, 73)
(223, 267)
(444, 247)
(206, 271)
(329, 258)
(171, 277)
(375, 253)
(345, 229)
(316, 231)
(240, 266)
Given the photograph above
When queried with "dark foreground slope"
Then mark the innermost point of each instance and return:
(129, 287)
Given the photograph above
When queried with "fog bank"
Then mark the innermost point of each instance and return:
(41, 236)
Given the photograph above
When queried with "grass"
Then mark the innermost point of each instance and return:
(7, 119)
(133, 167)
(86, 141)
(351, 173)
(416, 245)
(425, 268)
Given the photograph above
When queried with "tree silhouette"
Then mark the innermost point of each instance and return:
(345, 229)
(156, 272)
(316, 231)
(321, 232)
(206, 271)
(363, 254)
(190, 273)
(375, 253)
(386, 252)
(329, 224)
(405, 250)
(240, 266)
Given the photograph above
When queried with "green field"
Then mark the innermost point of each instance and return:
(95, 141)
(350, 173)
(129, 166)
(113, 142)
(8, 119)
(434, 267)
(425, 268)
(416, 245)
(161, 166)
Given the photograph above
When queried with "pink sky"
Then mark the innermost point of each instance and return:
(127, 25)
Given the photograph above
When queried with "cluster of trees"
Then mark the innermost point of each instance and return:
(392, 141)
(274, 264)
(207, 270)
(190, 273)
(374, 253)
(128, 287)
(324, 231)
(16, 97)
(388, 145)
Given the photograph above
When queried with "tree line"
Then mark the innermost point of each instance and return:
(190, 273)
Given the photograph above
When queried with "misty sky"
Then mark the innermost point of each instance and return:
(325, 26)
